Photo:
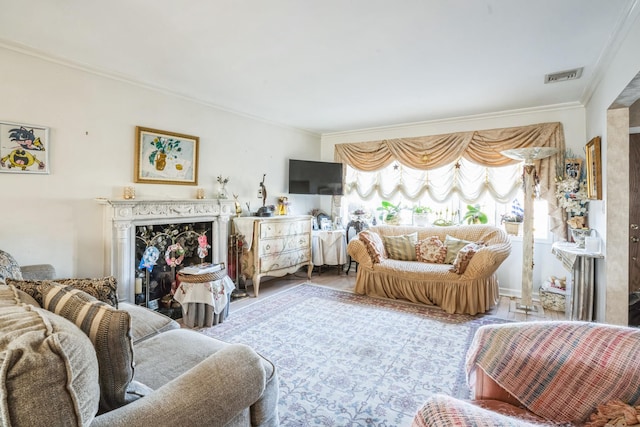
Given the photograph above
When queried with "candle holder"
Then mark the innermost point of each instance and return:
(129, 193)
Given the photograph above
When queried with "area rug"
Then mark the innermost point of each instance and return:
(351, 360)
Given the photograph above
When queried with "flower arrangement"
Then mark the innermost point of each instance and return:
(572, 196)
(516, 215)
(163, 146)
(222, 181)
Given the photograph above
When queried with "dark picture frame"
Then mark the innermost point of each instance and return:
(594, 169)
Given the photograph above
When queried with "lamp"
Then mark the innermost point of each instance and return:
(528, 155)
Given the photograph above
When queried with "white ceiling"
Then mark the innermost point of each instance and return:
(333, 65)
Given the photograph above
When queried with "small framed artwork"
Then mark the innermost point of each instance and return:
(594, 169)
(163, 157)
(572, 168)
(24, 149)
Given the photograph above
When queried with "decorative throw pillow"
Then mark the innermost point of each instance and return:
(453, 245)
(374, 245)
(48, 367)
(103, 289)
(9, 267)
(464, 257)
(110, 333)
(401, 247)
(431, 250)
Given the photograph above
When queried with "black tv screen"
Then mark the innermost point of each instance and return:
(310, 177)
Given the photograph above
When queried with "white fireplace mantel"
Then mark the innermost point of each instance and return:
(122, 216)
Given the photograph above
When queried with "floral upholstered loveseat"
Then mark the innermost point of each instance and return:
(470, 286)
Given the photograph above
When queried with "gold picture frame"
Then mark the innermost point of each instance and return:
(594, 169)
(163, 157)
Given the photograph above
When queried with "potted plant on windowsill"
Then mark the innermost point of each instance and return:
(421, 215)
(512, 223)
(474, 215)
(390, 212)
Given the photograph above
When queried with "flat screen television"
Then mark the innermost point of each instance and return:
(311, 177)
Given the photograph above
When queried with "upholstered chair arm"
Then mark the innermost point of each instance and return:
(38, 272)
(210, 394)
(358, 252)
(487, 260)
(558, 370)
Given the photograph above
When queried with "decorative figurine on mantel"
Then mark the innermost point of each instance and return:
(262, 193)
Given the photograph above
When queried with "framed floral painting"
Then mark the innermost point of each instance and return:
(163, 157)
(594, 169)
(24, 149)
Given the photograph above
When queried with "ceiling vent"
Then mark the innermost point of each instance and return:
(563, 75)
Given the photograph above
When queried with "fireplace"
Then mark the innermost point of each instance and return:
(126, 221)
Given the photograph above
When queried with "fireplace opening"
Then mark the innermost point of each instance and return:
(161, 251)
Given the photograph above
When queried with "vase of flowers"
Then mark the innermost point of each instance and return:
(572, 197)
(222, 191)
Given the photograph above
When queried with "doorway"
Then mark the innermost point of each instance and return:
(634, 229)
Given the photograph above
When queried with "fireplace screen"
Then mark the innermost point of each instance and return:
(161, 251)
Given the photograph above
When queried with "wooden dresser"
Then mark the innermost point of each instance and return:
(275, 246)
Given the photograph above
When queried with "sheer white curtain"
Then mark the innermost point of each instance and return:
(466, 180)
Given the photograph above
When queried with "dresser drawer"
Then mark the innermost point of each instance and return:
(283, 228)
(284, 260)
(281, 244)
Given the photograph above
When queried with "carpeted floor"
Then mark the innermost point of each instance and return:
(351, 360)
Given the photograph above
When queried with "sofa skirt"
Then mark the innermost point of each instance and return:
(458, 296)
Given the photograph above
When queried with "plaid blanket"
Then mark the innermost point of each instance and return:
(445, 411)
(560, 371)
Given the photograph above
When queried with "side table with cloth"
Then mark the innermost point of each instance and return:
(580, 288)
(204, 298)
(328, 247)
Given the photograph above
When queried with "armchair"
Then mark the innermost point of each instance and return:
(541, 372)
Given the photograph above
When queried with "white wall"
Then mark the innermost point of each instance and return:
(611, 214)
(572, 118)
(54, 218)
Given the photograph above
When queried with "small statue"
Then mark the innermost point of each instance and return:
(238, 206)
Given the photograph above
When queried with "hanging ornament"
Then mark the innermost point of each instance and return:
(149, 258)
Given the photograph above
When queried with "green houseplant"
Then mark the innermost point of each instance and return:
(390, 213)
(474, 215)
(421, 215)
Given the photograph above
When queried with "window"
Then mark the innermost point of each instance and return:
(446, 191)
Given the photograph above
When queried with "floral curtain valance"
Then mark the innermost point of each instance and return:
(481, 147)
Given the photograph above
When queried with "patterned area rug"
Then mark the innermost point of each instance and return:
(352, 360)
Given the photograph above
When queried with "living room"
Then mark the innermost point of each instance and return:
(92, 114)
(92, 117)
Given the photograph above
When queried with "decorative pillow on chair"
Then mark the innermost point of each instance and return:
(110, 332)
(431, 250)
(9, 267)
(464, 257)
(374, 245)
(401, 247)
(103, 289)
(453, 245)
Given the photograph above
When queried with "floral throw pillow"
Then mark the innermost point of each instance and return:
(9, 268)
(374, 245)
(103, 289)
(464, 257)
(431, 250)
